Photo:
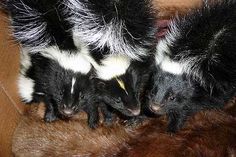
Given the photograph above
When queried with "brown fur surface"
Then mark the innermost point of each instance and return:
(35, 138)
(208, 134)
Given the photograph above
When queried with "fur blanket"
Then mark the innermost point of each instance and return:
(207, 134)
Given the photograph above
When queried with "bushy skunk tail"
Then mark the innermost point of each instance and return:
(123, 26)
(37, 23)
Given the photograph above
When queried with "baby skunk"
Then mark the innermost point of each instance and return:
(179, 96)
(120, 93)
(45, 77)
(124, 27)
(197, 64)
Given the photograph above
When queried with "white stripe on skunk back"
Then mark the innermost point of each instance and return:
(112, 66)
(77, 62)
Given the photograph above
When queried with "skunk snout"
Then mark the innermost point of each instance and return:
(156, 107)
(134, 112)
(67, 111)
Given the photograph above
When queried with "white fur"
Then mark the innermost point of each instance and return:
(163, 52)
(164, 61)
(77, 62)
(25, 85)
(112, 66)
(25, 88)
(110, 34)
(171, 67)
(25, 60)
(72, 85)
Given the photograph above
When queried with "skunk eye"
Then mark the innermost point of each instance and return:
(81, 96)
(172, 97)
(62, 92)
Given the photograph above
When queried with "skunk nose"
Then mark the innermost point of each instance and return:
(135, 112)
(156, 107)
(67, 112)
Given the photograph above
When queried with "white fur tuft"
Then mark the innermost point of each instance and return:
(25, 88)
(76, 62)
(72, 85)
(112, 66)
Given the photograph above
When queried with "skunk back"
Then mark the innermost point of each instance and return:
(203, 45)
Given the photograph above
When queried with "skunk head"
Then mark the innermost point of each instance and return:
(51, 81)
(120, 93)
(68, 94)
(170, 92)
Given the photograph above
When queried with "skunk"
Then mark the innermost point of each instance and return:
(123, 27)
(179, 96)
(120, 94)
(196, 66)
(48, 77)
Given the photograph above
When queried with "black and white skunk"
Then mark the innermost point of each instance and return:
(123, 27)
(50, 77)
(196, 64)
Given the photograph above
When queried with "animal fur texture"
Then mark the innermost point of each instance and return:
(39, 24)
(123, 27)
(197, 64)
(179, 97)
(209, 133)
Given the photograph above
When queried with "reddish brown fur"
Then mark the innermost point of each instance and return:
(208, 134)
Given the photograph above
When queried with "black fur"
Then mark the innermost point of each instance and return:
(179, 96)
(90, 103)
(112, 99)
